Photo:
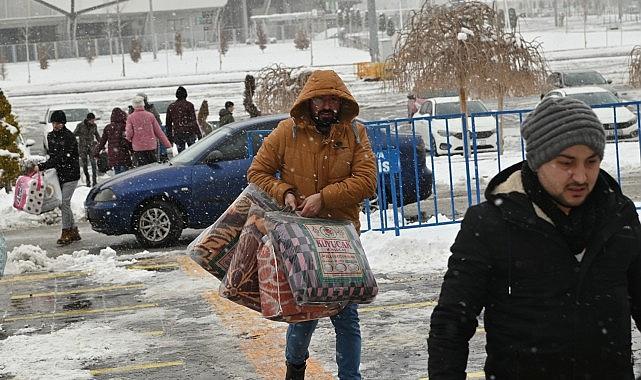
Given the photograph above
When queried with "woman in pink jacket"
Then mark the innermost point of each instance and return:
(143, 132)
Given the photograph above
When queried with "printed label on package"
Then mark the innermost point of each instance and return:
(335, 251)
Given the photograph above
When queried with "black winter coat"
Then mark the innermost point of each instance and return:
(547, 315)
(181, 119)
(63, 155)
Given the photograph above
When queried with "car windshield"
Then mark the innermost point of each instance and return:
(453, 108)
(201, 147)
(584, 79)
(73, 114)
(161, 105)
(595, 98)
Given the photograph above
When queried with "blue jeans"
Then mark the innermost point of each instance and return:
(348, 342)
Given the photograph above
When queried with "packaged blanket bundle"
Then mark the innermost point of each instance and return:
(240, 283)
(324, 259)
(213, 249)
(276, 299)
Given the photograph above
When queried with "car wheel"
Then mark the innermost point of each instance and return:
(158, 224)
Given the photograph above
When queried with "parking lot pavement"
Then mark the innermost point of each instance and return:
(172, 325)
(166, 321)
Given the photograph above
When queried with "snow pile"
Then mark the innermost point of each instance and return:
(27, 258)
(416, 250)
(103, 268)
(71, 349)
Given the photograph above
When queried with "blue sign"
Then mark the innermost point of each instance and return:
(389, 161)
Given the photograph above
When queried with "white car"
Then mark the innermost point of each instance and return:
(438, 141)
(626, 121)
(75, 114)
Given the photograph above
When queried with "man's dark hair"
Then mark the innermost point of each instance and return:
(229, 104)
(181, 93)
(91, 116)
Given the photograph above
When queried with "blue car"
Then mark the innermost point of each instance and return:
(156, 202)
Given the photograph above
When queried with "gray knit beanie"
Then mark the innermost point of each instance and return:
(558, 123)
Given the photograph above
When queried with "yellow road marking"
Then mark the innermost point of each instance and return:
(77, 291)
(470, 375)
(153, 266)
(41, 277)
(135, 367)
(77, 313)
(266, 348)
(414, 305)
(155, 333)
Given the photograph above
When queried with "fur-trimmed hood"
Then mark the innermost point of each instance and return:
(324, 83)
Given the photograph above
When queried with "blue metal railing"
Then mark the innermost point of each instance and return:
(410, 171)
(455, 127)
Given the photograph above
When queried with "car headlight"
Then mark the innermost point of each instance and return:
(444, 133)
(105, 195)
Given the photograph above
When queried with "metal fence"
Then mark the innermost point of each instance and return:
(106, 46)
(463, 154)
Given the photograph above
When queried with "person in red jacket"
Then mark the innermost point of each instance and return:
(118, 148)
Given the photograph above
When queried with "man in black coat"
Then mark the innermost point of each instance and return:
(63, 156)
(554, 258)
(180, 121)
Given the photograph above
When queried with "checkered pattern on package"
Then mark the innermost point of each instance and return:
(324, 259)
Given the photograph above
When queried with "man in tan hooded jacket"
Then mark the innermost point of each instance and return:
(327, 168)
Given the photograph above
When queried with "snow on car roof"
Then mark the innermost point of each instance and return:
(582, 89)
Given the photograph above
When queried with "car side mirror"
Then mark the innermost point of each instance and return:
(609, 81)
(29, 143)
(214, 156)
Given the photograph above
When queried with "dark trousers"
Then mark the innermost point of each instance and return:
(87, 157)
(144, 157)
(182, 140)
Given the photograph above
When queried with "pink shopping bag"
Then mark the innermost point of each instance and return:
(29, 193)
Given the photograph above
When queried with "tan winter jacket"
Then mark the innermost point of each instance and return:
(341, 166)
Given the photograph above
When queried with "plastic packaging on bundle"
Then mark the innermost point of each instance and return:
(324, 259)
(240, 284)
(276, 298)
(213, 248)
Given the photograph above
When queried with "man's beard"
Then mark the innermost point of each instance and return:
(324, 120)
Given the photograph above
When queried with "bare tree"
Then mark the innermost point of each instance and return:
(634, 68)
(90, 53)
(135, 49)
(178, 44)
(261, 37)
(248, 96)
(278, 86)
(3, 67)
(301, 41)
(43, 57)
(463, 46)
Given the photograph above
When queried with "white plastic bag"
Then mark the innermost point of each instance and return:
(52, 190)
